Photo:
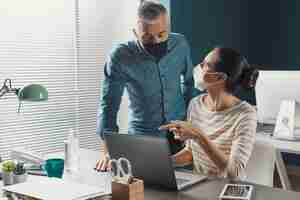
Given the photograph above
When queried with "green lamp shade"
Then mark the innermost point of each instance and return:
(33, 92)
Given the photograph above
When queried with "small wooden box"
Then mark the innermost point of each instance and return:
(133, 191)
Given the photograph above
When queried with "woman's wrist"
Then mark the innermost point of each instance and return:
(199, 138)
(180, 162)
(197, 135)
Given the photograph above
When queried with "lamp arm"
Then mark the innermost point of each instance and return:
(7, 88)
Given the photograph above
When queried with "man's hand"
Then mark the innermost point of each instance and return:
(103, 164)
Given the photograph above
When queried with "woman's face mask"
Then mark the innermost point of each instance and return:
(201, 78)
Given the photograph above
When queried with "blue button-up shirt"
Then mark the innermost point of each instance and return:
(159, 91)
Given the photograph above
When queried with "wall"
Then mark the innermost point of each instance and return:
(207, 24)
(266, 32)
(166, 3)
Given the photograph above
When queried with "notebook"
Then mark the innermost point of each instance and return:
(54, 189)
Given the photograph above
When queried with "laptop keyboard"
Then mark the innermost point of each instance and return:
(181, 181)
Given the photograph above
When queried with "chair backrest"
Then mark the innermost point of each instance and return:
(261, 166)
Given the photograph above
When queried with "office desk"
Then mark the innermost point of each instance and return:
(209, 190)
(206, 190)
(212, 188)
(282, 146)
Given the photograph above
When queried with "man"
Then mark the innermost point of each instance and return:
(156, 70)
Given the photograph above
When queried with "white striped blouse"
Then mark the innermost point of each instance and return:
(232, 131)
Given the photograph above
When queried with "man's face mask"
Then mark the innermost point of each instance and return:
(156, 45)
(200, 77)
(158, 50)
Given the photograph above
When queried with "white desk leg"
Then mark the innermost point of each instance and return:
(284, 179)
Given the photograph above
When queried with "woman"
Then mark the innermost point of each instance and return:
(220, 131)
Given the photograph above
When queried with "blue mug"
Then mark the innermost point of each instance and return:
(54, 167)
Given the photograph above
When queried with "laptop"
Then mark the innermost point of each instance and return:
(151, 160)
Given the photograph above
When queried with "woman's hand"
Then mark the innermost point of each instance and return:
(182, 130)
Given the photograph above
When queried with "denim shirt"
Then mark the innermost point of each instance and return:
(159, 91)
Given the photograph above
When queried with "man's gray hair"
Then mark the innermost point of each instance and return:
(150, 10)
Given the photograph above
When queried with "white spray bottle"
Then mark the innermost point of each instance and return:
(72, 152)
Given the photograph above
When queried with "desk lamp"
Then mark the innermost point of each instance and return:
(31, 92)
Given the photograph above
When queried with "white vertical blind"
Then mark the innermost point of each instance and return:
(38, 43)
(101, 26)
(37, 46)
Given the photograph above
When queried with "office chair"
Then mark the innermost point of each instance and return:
(261, 166)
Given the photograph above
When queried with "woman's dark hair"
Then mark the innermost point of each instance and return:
(235, 66)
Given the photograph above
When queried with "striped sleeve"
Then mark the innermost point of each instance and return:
(243, 144)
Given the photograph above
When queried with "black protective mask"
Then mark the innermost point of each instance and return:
(157, 50)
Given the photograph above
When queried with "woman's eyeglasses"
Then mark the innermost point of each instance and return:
(206, 65)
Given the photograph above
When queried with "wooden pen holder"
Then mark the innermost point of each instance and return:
(132, 191)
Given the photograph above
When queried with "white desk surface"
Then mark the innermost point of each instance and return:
(86, 175)
(282, 145)
(207, 190)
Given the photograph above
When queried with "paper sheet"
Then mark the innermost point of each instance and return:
(54, 189)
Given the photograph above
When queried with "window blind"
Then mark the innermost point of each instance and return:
(37, 46)
(61, 44)
(101, 26)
